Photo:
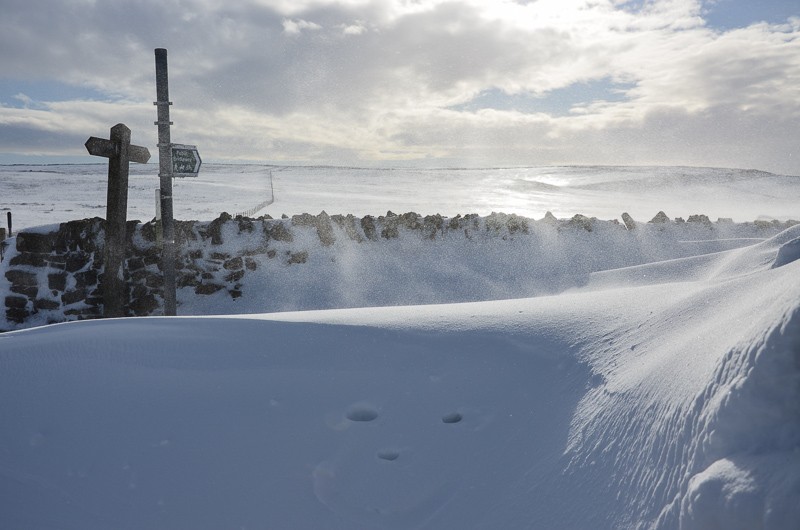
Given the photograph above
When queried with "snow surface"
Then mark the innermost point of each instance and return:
(54, 194)
(660, 391)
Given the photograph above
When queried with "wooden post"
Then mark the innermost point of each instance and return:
(3, 236)
(165, 176)
(120, 152)
(116, 214)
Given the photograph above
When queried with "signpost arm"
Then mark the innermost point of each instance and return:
(165, 176)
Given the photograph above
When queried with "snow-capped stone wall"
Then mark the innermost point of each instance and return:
(54, 273)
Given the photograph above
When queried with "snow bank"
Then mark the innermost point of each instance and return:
(620, 403)
(594, 374)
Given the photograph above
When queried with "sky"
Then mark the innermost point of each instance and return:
(411, 82)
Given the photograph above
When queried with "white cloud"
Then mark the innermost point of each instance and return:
(293, 27)
(380, 79)
(354, 29)
(27, 101)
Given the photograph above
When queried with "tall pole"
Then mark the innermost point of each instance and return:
(165, 176)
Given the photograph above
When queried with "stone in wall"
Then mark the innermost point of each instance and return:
(214, 228)
(630, 224)
(17, 309)
(550, 219)
(700, 218)
(497, 222)
(369, 228)
(208, 288)
(411, 220)
(517, 223)
(73, 296)
(84, 235)
(581, 221)
(321, 222)
(57, 281)
(245, 224)
(390, 226)
(348, 224)
(277, 230)
(234, 276)
(660, 218)
(23, 282)
(454, 223)
(149, 231)
(144, 305)
(29, 259)
(297, 257)
(35, 243)
(325, 229)
(431, 225)
(45, 304)
(33, 249)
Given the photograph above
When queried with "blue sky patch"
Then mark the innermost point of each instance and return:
(43, 91)
(633, 6)
(731, 14)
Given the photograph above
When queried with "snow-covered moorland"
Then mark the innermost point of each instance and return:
(38, 195)
(657, 392)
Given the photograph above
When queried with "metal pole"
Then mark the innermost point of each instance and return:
(165, 175)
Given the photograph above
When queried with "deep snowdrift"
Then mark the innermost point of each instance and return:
(659, 395)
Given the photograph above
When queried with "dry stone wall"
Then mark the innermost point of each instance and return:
(54, 274)
(56, 271)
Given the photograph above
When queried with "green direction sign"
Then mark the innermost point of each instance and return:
(185, 160)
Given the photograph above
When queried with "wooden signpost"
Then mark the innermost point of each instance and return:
(120, 152)
(175, 160)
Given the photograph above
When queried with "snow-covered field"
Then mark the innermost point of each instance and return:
(664, 394)
(39, 195)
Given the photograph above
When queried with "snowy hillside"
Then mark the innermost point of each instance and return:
(645, 378)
